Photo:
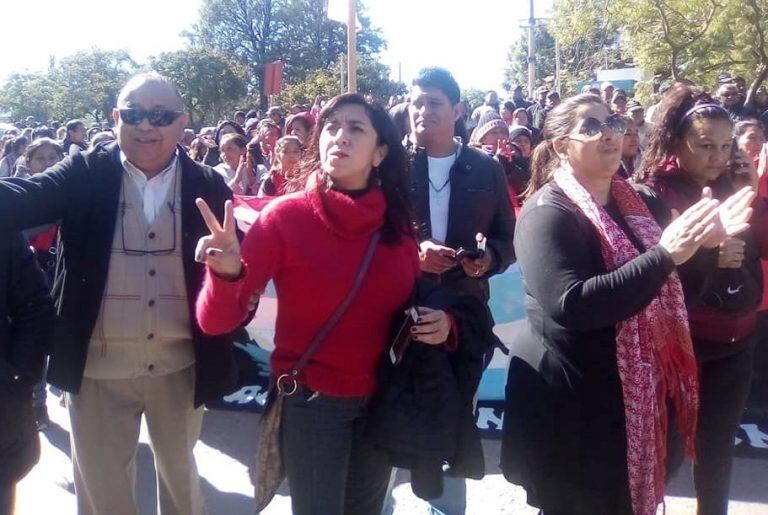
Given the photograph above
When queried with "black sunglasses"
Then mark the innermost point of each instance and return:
(592, 127)
(156, 117)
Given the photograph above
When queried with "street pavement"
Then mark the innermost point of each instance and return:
(226, 448)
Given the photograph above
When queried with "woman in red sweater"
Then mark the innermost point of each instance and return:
(311, 243)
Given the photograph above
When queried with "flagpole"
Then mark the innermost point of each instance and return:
(352, 47)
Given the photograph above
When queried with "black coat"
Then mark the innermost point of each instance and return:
(26, 320)
(479, 203)
(82, 191)
(564, 430)
(422, 414)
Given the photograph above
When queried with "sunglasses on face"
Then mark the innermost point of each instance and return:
(592, 127)
(156, 117)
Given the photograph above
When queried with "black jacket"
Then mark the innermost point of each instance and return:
(82, 191)
(479, 203)
(722, 303)
(564, 429)
(26, 320)
(422, 413)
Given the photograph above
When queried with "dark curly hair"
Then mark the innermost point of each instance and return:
(392, 172)
(673, 119)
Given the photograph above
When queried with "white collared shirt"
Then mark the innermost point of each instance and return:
(155, 190)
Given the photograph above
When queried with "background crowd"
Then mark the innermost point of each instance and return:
(604, 264)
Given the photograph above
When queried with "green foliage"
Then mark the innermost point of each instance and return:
(211, 84)
(671, 38)
(516, 71)
(373, 79)
(474, 96)
(83, 85)
(298, 32)
(87, 83)
(589, 40)
(27, 94)
(317, 82)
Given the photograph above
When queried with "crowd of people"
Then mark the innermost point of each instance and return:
(641, 234)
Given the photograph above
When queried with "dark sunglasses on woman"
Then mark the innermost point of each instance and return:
(156, 117)
(592, 127)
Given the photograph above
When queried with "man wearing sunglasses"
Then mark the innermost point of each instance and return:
(126, 343)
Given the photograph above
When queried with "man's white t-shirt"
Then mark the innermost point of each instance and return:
(439, 194)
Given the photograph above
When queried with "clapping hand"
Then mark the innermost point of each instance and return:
(683, 237)
(733, 216)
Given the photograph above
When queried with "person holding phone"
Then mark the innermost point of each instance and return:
(692, 155)
(458, 191)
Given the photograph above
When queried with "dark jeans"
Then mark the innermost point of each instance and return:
(331, 469)
(725, 372)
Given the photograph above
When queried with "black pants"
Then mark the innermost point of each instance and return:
(7, 498)
(758, 398)
(725, 372)
(331, 469)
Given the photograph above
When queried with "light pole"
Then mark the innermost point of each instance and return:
(531, 51)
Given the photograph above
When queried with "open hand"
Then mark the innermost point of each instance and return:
(733, 216)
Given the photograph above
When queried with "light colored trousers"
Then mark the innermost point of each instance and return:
(106, 421)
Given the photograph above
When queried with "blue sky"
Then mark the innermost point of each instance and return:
(469, 37)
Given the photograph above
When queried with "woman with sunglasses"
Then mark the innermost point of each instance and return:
(611, 365)
(311, 244)
(692, 155)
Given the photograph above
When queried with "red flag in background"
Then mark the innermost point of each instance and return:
(247, 209)
(273, 78)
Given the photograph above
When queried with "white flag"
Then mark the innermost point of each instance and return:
(338, 10)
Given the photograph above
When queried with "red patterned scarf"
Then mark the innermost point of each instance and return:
(654, 353)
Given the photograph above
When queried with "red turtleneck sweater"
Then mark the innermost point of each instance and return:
(311, 244)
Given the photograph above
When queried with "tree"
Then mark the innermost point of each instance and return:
(87, 83)
(27, 94)
(211, 84)
(676, 39)
(588, 38)
(516, 71)
(373, 79)
(474, 96)
(256, 32)
(322, 81)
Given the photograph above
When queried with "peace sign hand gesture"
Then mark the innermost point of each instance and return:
(220, 250)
